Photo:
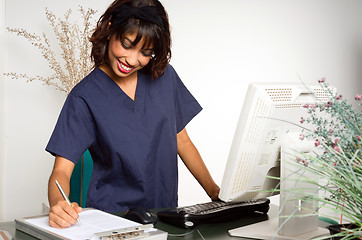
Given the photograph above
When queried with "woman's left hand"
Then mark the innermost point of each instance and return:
(214, 195)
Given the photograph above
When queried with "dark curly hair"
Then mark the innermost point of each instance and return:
(153, 34)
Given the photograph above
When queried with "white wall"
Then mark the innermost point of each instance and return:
(2, 103)
(218, 48)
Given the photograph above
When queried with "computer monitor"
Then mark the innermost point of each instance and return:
(270, 119)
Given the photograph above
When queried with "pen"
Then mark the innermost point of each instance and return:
(63, 194)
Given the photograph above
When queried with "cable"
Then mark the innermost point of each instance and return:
(185, 234)
(200, 234)
(181, 234)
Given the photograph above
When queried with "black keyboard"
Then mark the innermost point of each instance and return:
(211, 212)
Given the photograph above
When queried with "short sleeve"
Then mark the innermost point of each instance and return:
(74, 132)
(186, 106)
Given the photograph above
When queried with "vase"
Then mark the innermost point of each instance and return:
(334, 229)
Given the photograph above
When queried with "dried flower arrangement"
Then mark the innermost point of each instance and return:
(74, 45)
(338, 137)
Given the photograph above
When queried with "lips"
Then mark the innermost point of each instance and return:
(124, 68)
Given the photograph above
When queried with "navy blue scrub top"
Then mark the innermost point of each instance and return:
(133, 143)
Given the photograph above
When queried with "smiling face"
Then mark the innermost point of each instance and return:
(125, 58)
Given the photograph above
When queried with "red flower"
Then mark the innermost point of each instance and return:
(301, 136)
(339, 97)
(337, 149)
(305, 163)
(322, 80)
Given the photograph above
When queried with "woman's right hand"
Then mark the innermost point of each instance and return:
(61, 215)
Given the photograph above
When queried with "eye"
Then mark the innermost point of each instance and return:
(147, 53)
(125, 46)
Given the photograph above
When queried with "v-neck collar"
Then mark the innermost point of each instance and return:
(137, 104)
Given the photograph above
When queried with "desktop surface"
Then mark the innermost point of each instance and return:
(214, 231)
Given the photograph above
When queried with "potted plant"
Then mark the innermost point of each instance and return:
(337, 162)
(73, 46)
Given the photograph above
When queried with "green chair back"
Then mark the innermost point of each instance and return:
(79, 182)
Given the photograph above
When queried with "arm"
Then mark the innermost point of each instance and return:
(193, 161)
(61, 215)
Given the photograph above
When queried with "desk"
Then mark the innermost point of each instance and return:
(215, 231)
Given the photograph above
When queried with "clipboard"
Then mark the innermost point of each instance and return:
(94, 225)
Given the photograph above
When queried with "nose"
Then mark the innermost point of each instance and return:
(132, 58)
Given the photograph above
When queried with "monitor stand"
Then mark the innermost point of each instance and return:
(298, 214)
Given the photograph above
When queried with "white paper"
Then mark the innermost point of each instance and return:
(91, 221)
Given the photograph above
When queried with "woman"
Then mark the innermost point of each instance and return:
(130, 112)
